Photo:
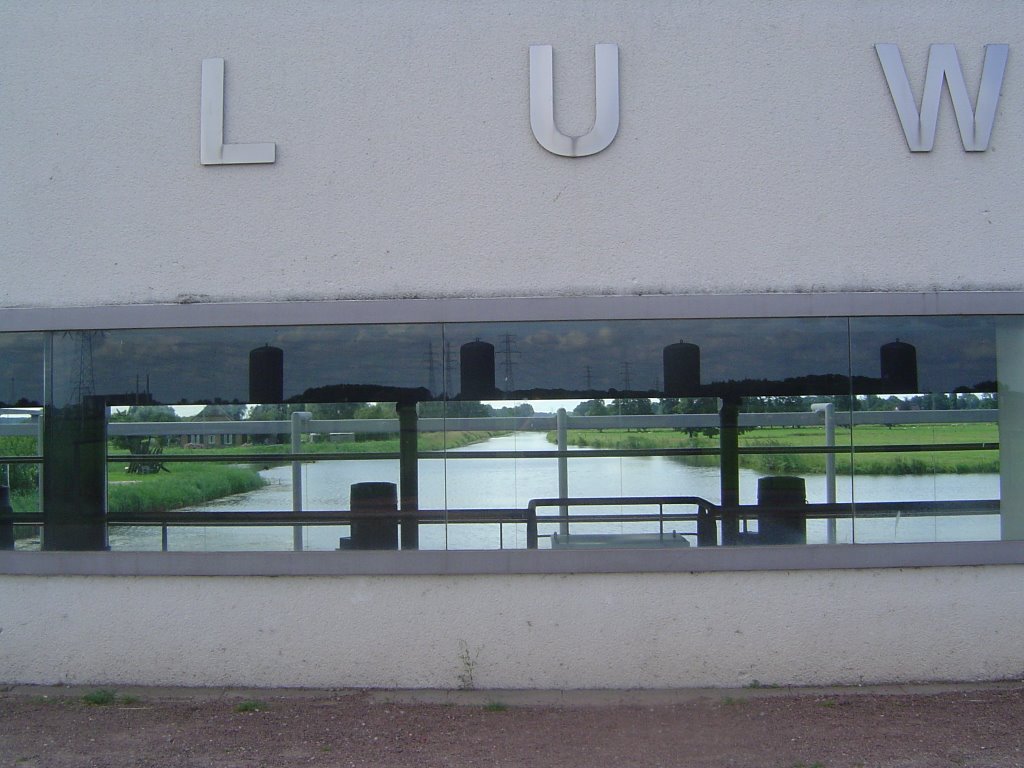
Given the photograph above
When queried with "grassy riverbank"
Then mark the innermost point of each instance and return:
(866, 436)
(184, 485)
(189, 484)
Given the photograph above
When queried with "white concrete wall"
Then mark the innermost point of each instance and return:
(759, 150)
(558, 631)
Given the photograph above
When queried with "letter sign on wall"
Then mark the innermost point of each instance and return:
(542, 103)
(212, 149)
(944, 66)
(975, 121)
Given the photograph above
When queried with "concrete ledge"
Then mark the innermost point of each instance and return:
(549, 308)
(513, 697)
(508, 562)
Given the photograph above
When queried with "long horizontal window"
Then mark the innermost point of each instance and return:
(510, 435)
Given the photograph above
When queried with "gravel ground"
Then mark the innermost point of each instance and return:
(764, 728)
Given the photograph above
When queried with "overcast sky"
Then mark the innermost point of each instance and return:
(200, 365)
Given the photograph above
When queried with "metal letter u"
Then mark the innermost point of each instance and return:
(542, 103)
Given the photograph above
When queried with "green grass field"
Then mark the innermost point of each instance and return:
(184, 485)
(864, 438)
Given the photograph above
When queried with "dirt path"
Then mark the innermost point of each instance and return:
(743, 729)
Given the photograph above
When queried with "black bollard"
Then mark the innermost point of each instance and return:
(780, 517)
(375, 516)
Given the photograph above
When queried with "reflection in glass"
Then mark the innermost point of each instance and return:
(926, 428)
(675, 433)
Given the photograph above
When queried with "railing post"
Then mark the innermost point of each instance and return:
(408, 472)
(707, 530)
(561, 422)
(829, 410)
(297, 418)
(531, 526)
(729, 463)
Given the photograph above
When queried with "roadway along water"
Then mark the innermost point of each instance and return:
(511, 483)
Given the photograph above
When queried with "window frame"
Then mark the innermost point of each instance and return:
(450, 310)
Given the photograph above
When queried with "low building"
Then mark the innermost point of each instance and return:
(737, 225)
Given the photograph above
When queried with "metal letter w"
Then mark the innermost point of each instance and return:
(943, 65)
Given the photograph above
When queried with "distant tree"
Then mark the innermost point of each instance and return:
(234, 411)
(147, 413)
(272, 412)
(591, 408)
(137, 414)
(333, 410)
(431, 409)
(697, 405)
(376, 411)
(632, 406)
(522, 410)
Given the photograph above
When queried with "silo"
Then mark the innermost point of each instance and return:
(681, 367)
(266, 375)
(476, 370)
(899, 367)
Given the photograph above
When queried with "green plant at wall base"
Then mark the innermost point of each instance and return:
(495, 706)
(468, 663)
(249, 706)
(101, 697)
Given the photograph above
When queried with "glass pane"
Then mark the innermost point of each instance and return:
(21, 395)
(677, 433)
(651, 402)
(321, 364)
(926, 429)
(234, 392)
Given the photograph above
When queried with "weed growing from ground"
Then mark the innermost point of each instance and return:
(101, 697)
(468, 661)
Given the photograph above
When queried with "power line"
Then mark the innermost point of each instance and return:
(508, 350)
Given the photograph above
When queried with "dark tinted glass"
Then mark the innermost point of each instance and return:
(253, 365)
(21, 369)
(694, 358)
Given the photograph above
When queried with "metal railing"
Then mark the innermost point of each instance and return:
(705, 517)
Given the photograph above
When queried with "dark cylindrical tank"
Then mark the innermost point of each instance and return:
(266, 375)
(780, 517)
(6, 510)
(899, 367)
(379, 503)
(476, 370)
(681, 367)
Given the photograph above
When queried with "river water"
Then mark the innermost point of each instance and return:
(512, 483)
